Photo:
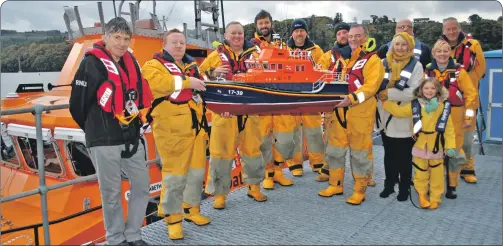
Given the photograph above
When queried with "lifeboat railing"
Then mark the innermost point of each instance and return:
(331, 77)
(300, 54)
(43, 189)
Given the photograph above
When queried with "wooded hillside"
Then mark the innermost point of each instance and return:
(49, 54)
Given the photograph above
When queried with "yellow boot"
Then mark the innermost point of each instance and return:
(359, 189)
(193, 214)
(335, 183)
(324, 175)
(279, 178)
(423, 201)
(268, 183)
(471, 179)
(174, 224)
(316, 167)
(468, 172)
(370, 181)
(295, 169)
(255, 193)
(219, 202)
(434, 205)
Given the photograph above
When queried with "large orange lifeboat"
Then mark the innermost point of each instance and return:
(74, 211)
(278, 81)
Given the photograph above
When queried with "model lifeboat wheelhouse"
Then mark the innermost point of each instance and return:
(279, 81)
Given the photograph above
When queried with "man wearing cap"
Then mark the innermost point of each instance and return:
(334, 60)
(272, 126)
(311, 123)
(421, 50)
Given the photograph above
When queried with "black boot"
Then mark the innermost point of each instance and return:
(386, 192)
(389, 188)
(403, 190)
(402, 196)
(451, 193)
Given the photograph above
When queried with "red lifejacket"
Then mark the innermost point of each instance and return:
(355, 72)
(451, 84)
(256, 41)
(236, 66)
(464, 55)
(334, 58)
(184, 95)
(126, 90)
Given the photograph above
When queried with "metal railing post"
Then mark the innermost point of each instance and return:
(41, 172)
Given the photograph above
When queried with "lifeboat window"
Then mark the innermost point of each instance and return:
(266, 66)
(79, 157)
(8, 153)
(29, 149)
(280, 66)
(273, 66)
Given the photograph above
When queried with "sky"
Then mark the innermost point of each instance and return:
(48, 15)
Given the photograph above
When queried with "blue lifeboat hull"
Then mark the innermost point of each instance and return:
(272, 98)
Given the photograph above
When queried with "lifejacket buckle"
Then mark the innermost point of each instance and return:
(125, 120)
(131, 107)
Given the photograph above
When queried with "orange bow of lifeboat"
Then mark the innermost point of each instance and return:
(278, 81)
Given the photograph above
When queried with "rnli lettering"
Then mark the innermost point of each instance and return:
(359, 64)
(105, 97)
(81, 83)
(110, 66)
(172, 68)
(223, 57)
(237, 180)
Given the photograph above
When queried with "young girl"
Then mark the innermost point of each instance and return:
(434, 132)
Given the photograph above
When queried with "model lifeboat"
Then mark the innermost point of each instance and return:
(278, 81)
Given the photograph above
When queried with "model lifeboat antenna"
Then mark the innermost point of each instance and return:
(277, 39)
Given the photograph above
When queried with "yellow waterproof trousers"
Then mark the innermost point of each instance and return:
(468, 170)
(286, 147)
(455, 163)
(183, 155)
(353, 131)
(226, 134)
(429, 177)
(313, 133)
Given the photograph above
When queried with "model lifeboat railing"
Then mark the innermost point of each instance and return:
(331, 77)
(300, 54)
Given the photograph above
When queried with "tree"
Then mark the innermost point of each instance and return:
(374, 19)
(311, 22)
(499, 19)
(338, 18)
(474, 18)
(394, 20)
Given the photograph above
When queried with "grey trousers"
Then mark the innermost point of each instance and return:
(108, 162)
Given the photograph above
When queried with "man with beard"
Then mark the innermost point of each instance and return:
(282, 123)
(263, 23)
(311, 123)
(334, 60)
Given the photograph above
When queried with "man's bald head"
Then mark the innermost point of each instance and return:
(405, 25)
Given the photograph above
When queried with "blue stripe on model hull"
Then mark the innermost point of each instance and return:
(243, 93)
